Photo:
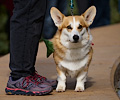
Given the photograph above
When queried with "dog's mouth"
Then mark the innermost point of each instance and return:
(77, 41)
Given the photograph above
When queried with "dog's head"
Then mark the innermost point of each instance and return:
(73, 29)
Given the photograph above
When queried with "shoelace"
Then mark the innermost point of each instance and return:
(36, 76)
(28, 80)
(33, 79)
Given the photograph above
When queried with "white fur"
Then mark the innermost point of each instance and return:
(73, 65)
(66, 40)
(61, 82)
(76, 56)
(81, 79)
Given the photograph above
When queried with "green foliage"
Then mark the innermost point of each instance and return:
(115, 15)
(49, 46)
(3, 18)
(3, 35)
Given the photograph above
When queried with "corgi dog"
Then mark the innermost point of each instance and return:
(72, 45)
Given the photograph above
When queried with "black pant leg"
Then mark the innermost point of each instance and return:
(82, 5)
(103, 13)
(25, 31)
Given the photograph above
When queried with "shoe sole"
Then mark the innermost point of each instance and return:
(11, 91)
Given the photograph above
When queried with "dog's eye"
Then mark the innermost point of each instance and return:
(69, 27)
(80, 26)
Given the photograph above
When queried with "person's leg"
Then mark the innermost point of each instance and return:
(82, 5)
(49, 28)
(25, 31)
(119, 5)
(62, 6)
(103, 12)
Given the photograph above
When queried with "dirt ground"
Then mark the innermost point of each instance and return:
(106, 50)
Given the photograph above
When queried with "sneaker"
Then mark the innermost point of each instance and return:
(40, 79)
(27, 86)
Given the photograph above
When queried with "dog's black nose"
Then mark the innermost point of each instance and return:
(75, 38)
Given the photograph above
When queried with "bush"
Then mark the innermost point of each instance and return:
(115, 15)
(4, 43)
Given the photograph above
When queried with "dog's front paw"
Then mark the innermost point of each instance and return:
(60, 88)
(79, 89)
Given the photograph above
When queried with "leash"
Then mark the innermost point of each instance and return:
(71, 6)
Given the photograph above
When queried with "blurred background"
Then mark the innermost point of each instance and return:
(108, 12)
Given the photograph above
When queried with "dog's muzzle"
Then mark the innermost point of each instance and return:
(76, 38)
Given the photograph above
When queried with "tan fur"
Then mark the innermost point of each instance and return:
(90, 58)
(70, 60)
(59, 48)
(69, 19)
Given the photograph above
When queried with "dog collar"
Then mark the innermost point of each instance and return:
(92, 43)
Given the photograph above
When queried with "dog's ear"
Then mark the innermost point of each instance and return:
(57, 16)
(89, 15)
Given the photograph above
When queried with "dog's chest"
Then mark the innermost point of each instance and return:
(76, 54)
(75, 59)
